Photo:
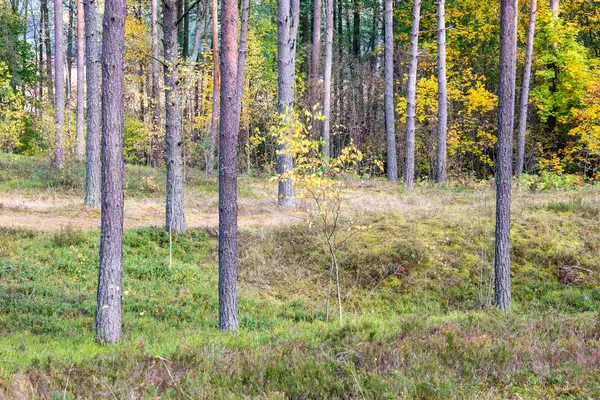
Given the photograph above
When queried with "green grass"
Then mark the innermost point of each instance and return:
(425, 333)
(25, 174)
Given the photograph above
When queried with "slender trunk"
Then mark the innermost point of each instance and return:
(551, 124)
(409, 163)
(46, 39)
(288, 17)
(327, 78)
(108, 311)
(525, 91)
(175, 219)
(186, 30)
(80, 139)
(156, 94)
(228, 296)
(214, 125)
(197, 36)
(442, 127)
(390, 129)
(242, 56)
(506, 110)
(92, 150)
(381, 36)
(315, 54)
(340, 78)
(59, 86)
(70, 56)
(554, 5)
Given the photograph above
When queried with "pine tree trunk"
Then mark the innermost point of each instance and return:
(80, 137)
(214, 124)
(110, 289)
(409, 156)
(288, 17)
(59, 86)
(315, 54)
(228, 296)
(390, 129)
(327, 65)
(92, 150)
(442, 128)
(525, 91)
(175, 219)
(506, 110)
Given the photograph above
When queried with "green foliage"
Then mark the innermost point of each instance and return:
(546, 180)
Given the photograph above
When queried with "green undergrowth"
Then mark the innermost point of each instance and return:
(416, 300)
(424, 333)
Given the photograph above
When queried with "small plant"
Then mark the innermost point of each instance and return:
(319, 182)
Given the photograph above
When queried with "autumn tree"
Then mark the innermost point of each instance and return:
(110, 289)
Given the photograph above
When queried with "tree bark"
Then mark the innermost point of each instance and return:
(409, 163)
(525, 91)
(442, 127)
(315, 54)
(80, 137)
(242, 56)
(59, 86)
(186, 30)
(327, 78)
(214, 124)
(108, 312)
(46, 26)
(506, 109)
(197, 36)
(390, 129)
(92, 151)
(175, 219)
(228, 296)
(288, 18)
(156, 78)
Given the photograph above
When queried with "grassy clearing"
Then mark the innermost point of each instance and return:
(423, 333)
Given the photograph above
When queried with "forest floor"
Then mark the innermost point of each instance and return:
(422, 331)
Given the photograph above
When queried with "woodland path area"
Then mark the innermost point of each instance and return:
(50, 211)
